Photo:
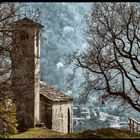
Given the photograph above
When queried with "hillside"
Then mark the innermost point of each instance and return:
(98, 133)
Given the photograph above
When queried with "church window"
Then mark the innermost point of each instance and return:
(23, 36)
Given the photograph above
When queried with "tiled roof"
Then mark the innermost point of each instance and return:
(53, 94)
(26, 22)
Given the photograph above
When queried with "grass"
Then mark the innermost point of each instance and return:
(38, 133)
(112, 133)
(98, 133)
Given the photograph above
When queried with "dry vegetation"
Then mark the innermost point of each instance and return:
(98, 133)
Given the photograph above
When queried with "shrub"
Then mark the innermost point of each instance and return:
(8, 121)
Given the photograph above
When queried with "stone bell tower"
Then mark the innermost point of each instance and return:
(26, 71)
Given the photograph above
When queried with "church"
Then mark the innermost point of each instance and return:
(36, 102)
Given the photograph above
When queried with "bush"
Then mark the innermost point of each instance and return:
(8, 121)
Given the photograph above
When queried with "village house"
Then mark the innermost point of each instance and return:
(85, 118)
(36, 102)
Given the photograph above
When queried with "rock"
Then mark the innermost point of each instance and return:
(90, 133)
(40, 125)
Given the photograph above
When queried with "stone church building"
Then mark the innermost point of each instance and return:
(36, 101)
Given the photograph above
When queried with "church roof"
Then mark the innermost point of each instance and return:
(53, 94)
(26, 22)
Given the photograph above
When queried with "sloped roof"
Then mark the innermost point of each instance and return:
(53, 94)
(26, 22)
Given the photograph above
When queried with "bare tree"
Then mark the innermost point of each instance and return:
(111, 64)
(9, 12)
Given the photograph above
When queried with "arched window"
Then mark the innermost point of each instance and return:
(23, 35)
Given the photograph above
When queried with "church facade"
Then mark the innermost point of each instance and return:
(36, 102)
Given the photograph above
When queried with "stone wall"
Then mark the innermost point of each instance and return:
(60, 115)
(25, 76)
(37, 77)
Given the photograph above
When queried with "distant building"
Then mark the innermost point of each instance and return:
(95, 118)
(113, 124)
(86, 115)
(78, 121)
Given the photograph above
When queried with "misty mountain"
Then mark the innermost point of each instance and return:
(63, 33)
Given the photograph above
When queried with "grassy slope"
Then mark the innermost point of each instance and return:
(98, 133)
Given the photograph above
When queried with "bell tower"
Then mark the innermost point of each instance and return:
(26, 70)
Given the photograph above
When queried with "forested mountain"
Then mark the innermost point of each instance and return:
(63, 33)
(64, 26)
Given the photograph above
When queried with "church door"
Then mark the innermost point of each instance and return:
(68, 121)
